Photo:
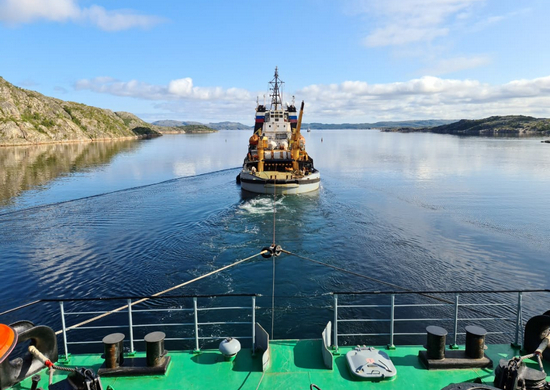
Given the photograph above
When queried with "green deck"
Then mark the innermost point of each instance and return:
(295, 365)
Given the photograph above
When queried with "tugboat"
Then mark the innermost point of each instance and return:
(277, 161)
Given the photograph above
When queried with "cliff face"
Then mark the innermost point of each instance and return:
(28, 117)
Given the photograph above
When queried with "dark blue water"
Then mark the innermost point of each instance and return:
(422, 211)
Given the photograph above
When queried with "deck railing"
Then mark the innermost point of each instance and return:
(130, 324)
(384, 315)
(452, 311)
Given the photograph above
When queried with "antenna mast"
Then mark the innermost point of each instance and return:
(276, 94)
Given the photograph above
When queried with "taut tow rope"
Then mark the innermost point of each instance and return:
(161, 292)
(273, 278)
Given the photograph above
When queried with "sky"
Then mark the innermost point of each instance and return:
(351, 61)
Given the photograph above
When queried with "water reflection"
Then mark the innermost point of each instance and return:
(422, 211)
(29, 167)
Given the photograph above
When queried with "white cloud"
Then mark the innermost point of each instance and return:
(349, 101)
(426, 97)
(179, 89)
(402, 22)
(456, 64)
(14, 12)
(132, 88)
(399, 35)
(26, 11)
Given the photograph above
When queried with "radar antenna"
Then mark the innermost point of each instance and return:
(275, 89)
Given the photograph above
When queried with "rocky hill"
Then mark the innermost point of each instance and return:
(28, 117)
(211, 125)
(229, 126)
(378, 125)
(186, 129)
(173, 123)
(515, 125)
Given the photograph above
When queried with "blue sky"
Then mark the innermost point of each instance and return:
(350, 60)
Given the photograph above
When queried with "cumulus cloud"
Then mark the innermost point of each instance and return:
(132, 88)
(403, 22)
(176, 89)
(14, 12)
(349, 101)
(449, 65)
(427, 97)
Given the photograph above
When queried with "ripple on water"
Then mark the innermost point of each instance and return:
(144, 240)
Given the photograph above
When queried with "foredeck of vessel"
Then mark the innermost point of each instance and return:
(296, 364)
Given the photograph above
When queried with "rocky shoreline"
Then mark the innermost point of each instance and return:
(77, 141)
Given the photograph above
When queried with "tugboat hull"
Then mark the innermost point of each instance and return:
(269, 184)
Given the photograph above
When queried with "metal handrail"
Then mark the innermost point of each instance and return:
(392, 306)
(131, 325)
(408, 292)
(428, 294)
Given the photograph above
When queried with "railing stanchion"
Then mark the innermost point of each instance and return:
(336, 322)
(518, 319)
(131, 325)
(61, 307)
(392, 321)
(195, 311)
(253, 324)
(455, 330)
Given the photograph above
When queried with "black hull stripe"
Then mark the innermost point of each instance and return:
(260, 181)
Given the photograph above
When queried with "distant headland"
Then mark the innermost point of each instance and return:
(510, 125)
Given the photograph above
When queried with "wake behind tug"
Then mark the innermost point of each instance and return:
(277, 161)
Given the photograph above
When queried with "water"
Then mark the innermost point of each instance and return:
(422, 211)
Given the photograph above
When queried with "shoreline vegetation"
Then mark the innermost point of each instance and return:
(30, 118)
(187, 129)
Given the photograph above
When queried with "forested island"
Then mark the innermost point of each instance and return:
(315, 125)
(378, 125)
(187, 129)
(212, 125)
(512, 125)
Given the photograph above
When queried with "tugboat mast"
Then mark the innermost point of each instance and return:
(276, 94)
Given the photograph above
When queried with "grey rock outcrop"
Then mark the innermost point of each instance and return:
(28, 117)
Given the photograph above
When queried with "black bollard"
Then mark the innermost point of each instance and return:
(113, 347)
(154, 342)
(436, 342)
(475, 342)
